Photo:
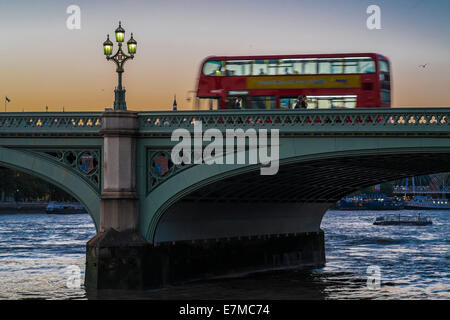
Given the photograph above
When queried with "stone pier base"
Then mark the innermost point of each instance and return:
(116, 260)
(120, 260)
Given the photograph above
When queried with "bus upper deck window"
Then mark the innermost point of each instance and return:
(310, 67)
(272, 67)
(351, 66)
(297, 66)
(285, 67)
(324, 67)
(367, 66)
(259, 68)
(238, 67)
(212, 68)
(337, 67)
(384, 66)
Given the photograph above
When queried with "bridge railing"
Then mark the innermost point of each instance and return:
(433, 120)
(50, 122)
(308, 121)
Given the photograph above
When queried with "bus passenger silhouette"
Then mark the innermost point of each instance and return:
(301, 102)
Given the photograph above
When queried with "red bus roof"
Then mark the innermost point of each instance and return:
(292, 56)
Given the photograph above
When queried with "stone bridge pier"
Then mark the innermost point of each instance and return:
(115, 257)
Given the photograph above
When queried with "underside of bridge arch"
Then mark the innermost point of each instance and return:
(326, 180)
(32, 164)
(292, 201)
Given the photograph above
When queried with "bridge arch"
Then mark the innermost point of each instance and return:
(55, 174)
(355, 162)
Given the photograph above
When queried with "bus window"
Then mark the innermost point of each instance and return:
(263, 102)
(331, 102)
(285, 67)
(206, 104)
(367, 66)
(351, 66)
(259, 68)
(324, 67)
(324, 103)
(238, 68)
(212, 68)
(350, 103)
(230, 102)
(384, 66)
(310, 67)
(337, 103)
(272, 67)
(337, 67)
(288, 102)
(299, 66)
(386, 96)
(312, 103)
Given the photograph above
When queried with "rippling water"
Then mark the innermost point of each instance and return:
(36, 249)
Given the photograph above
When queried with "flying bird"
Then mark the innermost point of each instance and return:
(423, 66)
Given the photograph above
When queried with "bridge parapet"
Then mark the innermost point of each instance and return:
(358, 121)
(52, 123)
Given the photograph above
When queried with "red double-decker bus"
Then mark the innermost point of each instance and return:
(354, 80)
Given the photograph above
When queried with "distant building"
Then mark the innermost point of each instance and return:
(174, 103)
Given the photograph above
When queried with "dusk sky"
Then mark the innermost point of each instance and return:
(45, 63)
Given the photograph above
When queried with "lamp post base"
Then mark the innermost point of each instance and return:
(119, 100)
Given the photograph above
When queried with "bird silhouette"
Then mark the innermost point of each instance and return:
(423, 66)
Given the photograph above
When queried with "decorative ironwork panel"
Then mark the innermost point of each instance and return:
(160, 168)
(85, 162)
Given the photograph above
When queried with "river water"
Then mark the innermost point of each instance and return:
(37, 252)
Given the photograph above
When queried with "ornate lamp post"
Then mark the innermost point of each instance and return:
(119, 58)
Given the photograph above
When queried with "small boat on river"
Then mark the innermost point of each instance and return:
(398, 220)
(64, 208)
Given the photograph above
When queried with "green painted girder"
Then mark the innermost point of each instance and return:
(363, 120)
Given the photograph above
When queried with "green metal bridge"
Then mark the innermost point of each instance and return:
(324, 155)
